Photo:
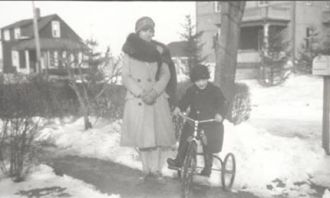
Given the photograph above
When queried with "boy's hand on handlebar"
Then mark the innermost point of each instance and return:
(218, 118)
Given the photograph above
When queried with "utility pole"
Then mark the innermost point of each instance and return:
(293, 33)
(36, 37)
(228, 44)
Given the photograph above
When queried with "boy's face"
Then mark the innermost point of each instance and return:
(202, 83)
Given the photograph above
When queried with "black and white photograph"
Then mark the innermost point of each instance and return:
(165, 99)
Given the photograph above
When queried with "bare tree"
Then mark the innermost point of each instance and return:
(86, 74)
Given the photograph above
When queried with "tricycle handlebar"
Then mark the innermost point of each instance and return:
(199, 121)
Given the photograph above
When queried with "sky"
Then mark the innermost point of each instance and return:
(287, 148)
(109, 22)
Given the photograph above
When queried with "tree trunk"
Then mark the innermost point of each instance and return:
(83, 105)
(82, 98)
(227, 46)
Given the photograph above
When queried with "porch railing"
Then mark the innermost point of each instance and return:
(267, 12)
(248, 56)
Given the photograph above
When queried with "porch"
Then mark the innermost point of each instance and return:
(54, 54)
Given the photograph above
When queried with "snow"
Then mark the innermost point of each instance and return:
(326, 194)
(43, 177)
(268, 162)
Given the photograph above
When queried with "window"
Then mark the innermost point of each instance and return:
(72, 59)
(17, 33)
(23, 61)
(15, 58)
(63, 61)
(7, 35)
(217, 6)
(80, 57)
(55, 58)
(308, 37)
(51, 59)
(56, 30)
(64, 54)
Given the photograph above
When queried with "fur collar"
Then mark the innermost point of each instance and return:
(145, 51)
(140, 49)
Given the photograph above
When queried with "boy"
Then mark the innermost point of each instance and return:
(206, 101)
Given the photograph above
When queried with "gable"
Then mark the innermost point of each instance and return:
(44, 27)
(66, 30)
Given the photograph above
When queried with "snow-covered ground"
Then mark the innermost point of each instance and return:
(44, 182)
(267, 163)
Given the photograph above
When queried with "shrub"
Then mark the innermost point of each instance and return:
(17, 147)
(240, 107)
(37, 97)
(110, 103)
(20, 103)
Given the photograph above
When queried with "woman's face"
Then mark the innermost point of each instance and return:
(202, 83)
(147, 34)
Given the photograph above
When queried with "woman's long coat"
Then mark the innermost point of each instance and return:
(146, 126)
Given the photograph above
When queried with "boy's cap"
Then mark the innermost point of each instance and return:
(199, 72)
(144, 23)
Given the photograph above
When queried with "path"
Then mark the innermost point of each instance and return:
(112, 178)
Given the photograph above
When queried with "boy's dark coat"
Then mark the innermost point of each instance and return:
(205, 104)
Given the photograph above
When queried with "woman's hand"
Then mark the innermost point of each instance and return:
(149, 97)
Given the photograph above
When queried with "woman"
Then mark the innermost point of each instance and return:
(147, 122)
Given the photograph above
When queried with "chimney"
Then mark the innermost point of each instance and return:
(37, 10)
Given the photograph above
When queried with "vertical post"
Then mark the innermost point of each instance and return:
(36, 37)
(196, 13)
(27, 61)
(326, 117)
(222, 43)
(293, 33)
(266, 35)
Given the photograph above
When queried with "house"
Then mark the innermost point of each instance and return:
(57, 42)
(292, 19)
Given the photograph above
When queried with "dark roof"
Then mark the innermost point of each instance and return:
(42, 22)
(177, 48)
(27, 24)
(50, 43)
